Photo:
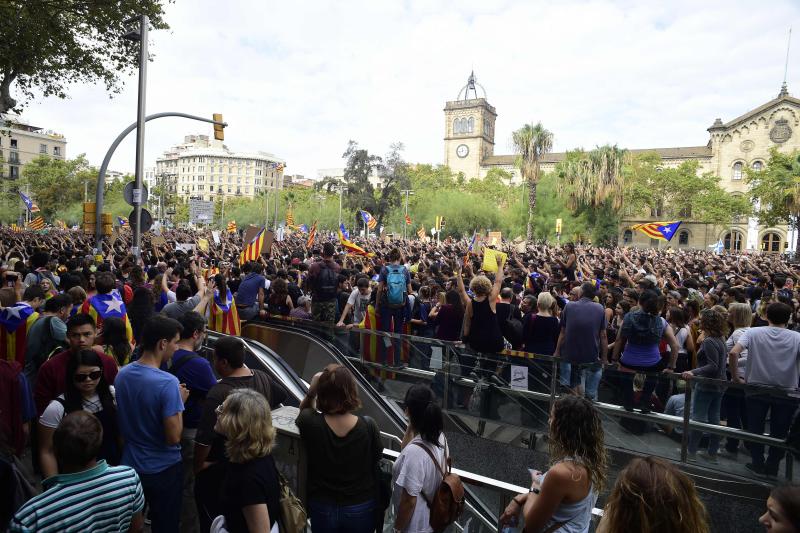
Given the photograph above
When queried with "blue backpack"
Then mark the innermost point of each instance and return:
(396, 286)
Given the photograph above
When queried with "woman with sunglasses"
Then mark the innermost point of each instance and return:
(86, 389)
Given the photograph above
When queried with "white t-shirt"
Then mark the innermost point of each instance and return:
(415, 472)
(359, 304)
(730, 343)
(54, 412)
(773, 356)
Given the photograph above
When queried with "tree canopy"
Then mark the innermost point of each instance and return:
(49, 44)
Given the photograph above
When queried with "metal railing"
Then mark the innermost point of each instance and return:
(372, 350)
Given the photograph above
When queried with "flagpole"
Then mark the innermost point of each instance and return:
(27, 211)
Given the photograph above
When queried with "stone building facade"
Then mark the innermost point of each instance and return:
(206, 169)
(733, 146)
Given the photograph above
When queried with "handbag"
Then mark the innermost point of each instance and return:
(293, 516)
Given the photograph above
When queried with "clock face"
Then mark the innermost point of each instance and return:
(462, 150)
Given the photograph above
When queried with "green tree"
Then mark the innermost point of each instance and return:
(679, 192)
(531, 142)
(48, 45)
(360, 165)
(394, 178)
(775, 190)
(55, 183)
(592, 183)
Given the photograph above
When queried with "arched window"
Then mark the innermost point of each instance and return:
(683, 238)
(738, 240)
(737, 171)
(471, 125)
(627, 236)
(758, 165)
(771, 242)
(456, 127)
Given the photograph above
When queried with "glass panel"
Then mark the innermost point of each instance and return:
(506, 398)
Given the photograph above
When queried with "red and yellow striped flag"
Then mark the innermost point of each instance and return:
(232, 226)
(36, 223)
(253, 250)
(312, 234)
(15, 323)
(223, 316)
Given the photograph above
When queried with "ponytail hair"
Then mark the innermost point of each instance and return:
(424, 413)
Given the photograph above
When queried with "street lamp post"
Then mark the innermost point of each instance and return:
(139, 35)
(340, 189)
(407, 192)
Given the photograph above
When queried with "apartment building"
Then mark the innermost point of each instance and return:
(204, 168)
(21, 142)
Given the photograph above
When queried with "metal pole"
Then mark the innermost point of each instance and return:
(405, 224)
(101, 174)
(339, 189)
(85, 191)
(144, 21)
(686, 412)
(276, 198)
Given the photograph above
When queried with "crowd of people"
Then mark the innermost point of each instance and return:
(102, 383)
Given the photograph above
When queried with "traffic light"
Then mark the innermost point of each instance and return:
(219, 129)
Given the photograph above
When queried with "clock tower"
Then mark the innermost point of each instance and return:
(468, 130)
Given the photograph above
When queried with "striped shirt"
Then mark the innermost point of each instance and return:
(101, 499)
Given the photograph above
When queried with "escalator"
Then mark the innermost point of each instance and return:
(491, 448)
(294, 372)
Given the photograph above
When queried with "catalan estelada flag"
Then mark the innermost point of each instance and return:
(421, 232)
(351, 247)
(289, 217)
(103, 306)
(663, 231)
(223, 316)
(15, 323)
(312, 235)
(232, 226)
(122, 221)
(252, 251)
(29, 204)
(471, 246)
(369, 220)
(36, 223)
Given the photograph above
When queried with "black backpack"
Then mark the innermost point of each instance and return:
(326, 284)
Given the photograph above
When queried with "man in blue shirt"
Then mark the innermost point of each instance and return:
(583, 342)
(250, 295)
(195, 372)
(149, 412)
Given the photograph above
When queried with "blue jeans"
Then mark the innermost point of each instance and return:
(249, 312)
(589, 373)
(391, 317)
(331, 518)
(163, 492)
(706, 403)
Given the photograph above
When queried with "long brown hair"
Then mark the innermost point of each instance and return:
(576, 433)
(653, 496)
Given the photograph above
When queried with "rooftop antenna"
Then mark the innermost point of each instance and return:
(784, 89)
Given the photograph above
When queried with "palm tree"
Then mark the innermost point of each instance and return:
(531, 142)
(590, 179)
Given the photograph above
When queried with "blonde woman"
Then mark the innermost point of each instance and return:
(250, 490)
(481, 328)
(541, 329)
(740, 316)
(653, 496)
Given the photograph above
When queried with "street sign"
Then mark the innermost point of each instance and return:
(134, 196)
(147, 220)
(201, 211)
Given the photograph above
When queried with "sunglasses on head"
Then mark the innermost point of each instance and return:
(91, 376)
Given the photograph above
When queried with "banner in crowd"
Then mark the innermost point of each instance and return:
(253, 249)
(368, 219)
(490, 259)
(663, 231)
(232, 226)
(30, 205)
(312, 235)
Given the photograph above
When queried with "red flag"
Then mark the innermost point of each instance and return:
(408, 220)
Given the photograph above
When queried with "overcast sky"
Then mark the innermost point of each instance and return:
(299, 79)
